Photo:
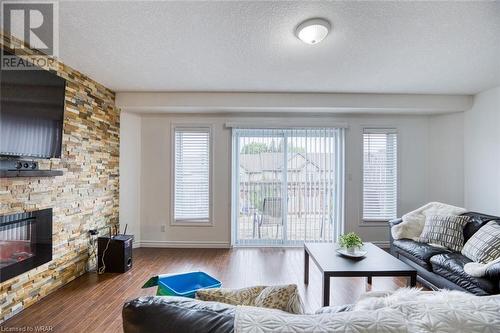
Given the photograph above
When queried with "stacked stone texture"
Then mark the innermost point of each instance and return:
(84, 197)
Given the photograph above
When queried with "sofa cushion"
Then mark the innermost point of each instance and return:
(484, 245)
(493, 272)
(259, 320)
(444, 230)
(477, 220)
(420, 253)
(451, 267)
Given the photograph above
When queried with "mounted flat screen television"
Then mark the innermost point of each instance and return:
(31, 113)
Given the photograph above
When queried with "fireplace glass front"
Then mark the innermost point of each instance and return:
(25, 242)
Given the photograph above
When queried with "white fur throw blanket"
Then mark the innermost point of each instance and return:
(404, 311)
(413, 222)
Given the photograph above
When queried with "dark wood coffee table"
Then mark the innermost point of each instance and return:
(377, 262)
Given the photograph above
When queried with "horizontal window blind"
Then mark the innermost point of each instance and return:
(192, 175)
(380, 176)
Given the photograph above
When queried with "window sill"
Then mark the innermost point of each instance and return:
(374, 222)
(192, 223)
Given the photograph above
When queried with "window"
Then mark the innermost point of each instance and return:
(192, 175)
(380, 174)
(287, 185)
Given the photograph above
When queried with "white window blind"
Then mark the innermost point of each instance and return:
(380, 174)
(192, 175)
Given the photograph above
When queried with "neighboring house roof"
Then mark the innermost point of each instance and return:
(256, 163)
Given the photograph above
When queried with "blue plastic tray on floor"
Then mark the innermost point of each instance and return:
(186, 284)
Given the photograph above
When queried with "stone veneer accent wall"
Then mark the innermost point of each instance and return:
(85, 197)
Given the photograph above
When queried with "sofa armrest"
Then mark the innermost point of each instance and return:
(162, 314)
(392, 223)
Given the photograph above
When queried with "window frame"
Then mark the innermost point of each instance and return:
(198, 127)
(386, 129)
(342, 137)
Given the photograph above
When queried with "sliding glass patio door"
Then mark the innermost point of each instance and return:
(287, 185)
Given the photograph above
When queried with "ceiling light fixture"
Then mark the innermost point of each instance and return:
(313, 31)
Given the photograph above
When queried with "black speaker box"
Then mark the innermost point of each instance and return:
(117, 253)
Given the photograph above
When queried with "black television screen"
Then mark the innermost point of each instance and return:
(31, 113)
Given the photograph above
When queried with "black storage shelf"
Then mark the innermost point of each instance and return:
(29, 173)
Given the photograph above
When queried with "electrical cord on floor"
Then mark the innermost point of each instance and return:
(93, 244)
(102, 269)
(93, 247)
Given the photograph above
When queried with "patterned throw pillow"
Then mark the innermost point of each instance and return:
(285, 298)
(484, 245)
(244, 296)
(445, 230)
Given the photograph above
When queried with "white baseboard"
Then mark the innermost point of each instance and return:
(184, 244)
(213, 244)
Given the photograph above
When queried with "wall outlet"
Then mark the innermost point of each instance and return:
(163, 227)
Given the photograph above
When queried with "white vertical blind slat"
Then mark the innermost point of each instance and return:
(295, 168)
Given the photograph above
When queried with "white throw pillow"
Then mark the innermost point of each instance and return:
(484, 245)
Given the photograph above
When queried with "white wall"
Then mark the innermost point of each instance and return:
(156, 186)
(446, 159)
(412, 155)
(430, 166)
(130, 174)
(482, 153)
(453, 158)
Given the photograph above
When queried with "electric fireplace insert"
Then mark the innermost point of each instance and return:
(25, 242)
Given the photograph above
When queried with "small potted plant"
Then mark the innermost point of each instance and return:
(351, 242)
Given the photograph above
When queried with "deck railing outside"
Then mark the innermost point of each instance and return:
(309, 211)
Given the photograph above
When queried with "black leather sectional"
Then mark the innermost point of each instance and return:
(437, 268)
(441, 268)
(160, 314)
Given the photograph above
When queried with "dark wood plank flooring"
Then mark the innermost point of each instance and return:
(93, 303)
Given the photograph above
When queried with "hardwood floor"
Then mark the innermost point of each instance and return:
(93, 303)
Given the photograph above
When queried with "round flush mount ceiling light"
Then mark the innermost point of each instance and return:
(313, 31)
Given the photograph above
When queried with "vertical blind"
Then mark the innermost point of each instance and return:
(298, 171)
(192, 175)
(380, 178)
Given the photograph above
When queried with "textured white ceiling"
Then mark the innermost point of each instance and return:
(375, 47)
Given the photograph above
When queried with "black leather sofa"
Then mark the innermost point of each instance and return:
(439, 268)
(153, 314)
(160, 314)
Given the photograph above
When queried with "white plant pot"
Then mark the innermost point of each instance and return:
(351, 250)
